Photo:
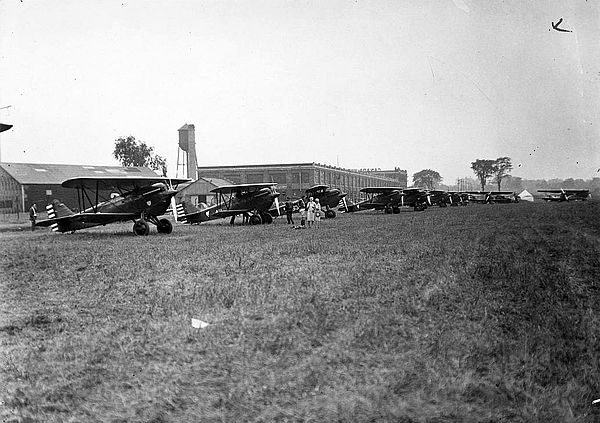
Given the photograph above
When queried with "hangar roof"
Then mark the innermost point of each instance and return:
(55, 174)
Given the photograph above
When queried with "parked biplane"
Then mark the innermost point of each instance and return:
(458, 198)
(417, 198)
(139, 199)
(378, 198)
(489, 197)
(565, 194)
(253, 201)
(439, 198)
(390, 199)
(328, 197)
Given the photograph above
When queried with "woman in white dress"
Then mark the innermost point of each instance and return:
(311, 207)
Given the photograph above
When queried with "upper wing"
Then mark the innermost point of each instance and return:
(228, 189)
(122, 182)
(382, 190)
(317, 187)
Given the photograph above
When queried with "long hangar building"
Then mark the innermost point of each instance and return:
(292, 179)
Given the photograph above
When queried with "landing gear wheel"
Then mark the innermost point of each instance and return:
(329, 214)
(267, 218)
(388, 210)
(164, 226)
(141, 228)
(395, 210)
(443, 204)
(255, 219)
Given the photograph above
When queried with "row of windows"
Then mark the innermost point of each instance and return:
(6, 204)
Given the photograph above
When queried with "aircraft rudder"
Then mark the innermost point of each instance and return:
(57, 210)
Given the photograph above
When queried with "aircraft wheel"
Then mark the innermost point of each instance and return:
(164, 226)
(141, 228)
(388, 210)
(442, 204)
(267, 218)
(396, 210)
(329, 214)
(255, 219)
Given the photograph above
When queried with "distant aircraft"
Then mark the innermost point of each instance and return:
(139, 199)
(328, 197)
(565, 194)
(4, 127)
(390, 199)
(458, 198)
(250, 200)
(417, 198)
(490, 197)
(378, 198)
(439, 198)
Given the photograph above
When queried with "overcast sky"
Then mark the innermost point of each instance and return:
(366, 84)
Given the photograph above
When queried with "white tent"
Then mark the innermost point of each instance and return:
(526, 196)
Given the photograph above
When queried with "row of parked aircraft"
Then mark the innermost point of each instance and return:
(144, 200)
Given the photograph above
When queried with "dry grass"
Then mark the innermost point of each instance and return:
(481, 313)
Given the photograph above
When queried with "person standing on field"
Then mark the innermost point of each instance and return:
(289, 209)
(311, 208)
(317, 213)
(33, 216)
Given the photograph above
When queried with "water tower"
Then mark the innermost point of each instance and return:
(186, 153)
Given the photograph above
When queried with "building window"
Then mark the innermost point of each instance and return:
(277, 177)
(255, 178)
(6, 204)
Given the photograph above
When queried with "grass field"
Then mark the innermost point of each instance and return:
(485, 313)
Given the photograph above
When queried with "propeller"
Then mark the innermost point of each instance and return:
(174, 208)
(345, 204)
(277, 206)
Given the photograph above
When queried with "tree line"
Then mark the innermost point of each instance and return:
(484, 169)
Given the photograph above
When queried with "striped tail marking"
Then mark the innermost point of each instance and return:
(52, 215)
(181, 213)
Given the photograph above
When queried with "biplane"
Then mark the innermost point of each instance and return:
(417, 198)
(252, 201)
(565, 194)
(328, 197)
(439, 198)
(390, 199)
(490, 197)
(378, 198)
(140, 199)
(458, 198)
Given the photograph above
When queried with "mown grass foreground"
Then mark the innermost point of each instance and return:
(471, 314)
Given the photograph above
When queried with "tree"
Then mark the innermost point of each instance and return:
(502, 166)
(130, 152)
(427, 178)
(483, 169)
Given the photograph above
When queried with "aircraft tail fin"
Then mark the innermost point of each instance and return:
(57, 210)
(181, 212)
